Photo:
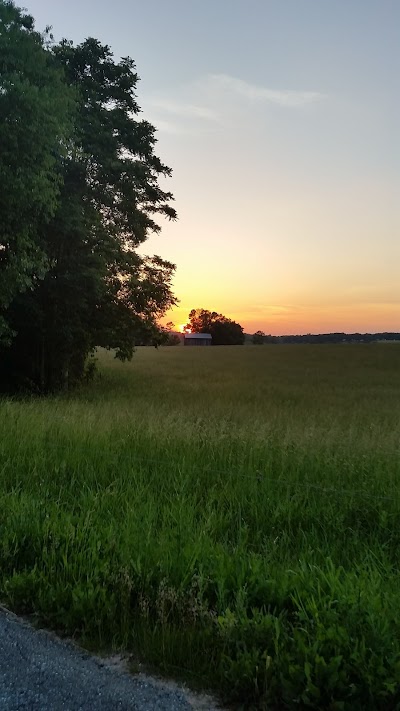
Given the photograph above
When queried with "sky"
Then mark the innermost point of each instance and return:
(280, 120)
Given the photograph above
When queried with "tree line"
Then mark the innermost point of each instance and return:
(259, 338)
(79, 193)
(224, 331)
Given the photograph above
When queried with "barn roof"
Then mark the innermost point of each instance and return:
(198, 335)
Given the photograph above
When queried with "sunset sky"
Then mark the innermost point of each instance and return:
(280, 120)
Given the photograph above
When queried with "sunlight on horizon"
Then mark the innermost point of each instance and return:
(284, 157)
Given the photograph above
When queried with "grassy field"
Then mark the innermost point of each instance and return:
(231, 514)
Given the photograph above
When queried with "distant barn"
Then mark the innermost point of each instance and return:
(197, 339)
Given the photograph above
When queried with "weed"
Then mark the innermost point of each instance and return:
(233, 513)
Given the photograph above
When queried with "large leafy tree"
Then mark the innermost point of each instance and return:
(224, 331)
(98, 290)
(35, 125)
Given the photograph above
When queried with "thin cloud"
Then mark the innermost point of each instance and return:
(166, 126)
(185, 110)
(253, 92)
(182, 114)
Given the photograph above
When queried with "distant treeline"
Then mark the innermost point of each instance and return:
(333, 338)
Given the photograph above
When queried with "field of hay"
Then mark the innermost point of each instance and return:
(230, 514)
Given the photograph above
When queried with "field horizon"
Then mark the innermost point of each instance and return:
(230, 514)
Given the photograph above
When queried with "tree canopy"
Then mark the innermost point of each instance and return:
(223, 330)
(35, 127)
(90, 286)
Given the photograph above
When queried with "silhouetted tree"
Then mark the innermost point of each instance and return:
(258, 338)
(168, 336)
(223, 330)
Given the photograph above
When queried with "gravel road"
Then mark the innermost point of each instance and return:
(38, 672)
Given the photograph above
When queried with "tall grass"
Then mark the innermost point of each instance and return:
(229, 513)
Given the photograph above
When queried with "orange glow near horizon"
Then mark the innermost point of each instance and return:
(312, 261)
(304, 318)
(289, 281)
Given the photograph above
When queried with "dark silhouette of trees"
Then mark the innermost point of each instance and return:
(223, 330)
(332, 338)
(258, 338)
(169, 337)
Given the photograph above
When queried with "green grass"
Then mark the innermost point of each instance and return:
(228, 513)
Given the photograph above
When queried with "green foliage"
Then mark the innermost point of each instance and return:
(223, 330)
(35, 126)
(97, 290)
(246, 532)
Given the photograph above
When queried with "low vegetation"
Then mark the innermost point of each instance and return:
(230, 514)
